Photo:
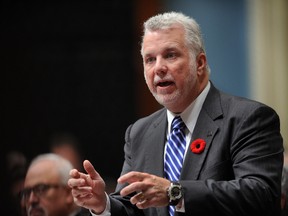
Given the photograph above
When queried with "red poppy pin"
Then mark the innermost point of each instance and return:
(198, 146)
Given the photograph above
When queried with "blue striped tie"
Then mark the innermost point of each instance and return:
(175, 152)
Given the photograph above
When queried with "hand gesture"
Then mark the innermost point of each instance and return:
(88, 190)
(151, 190)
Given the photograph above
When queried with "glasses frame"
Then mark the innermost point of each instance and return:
(38, 190)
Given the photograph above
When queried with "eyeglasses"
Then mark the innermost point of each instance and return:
(38, 190)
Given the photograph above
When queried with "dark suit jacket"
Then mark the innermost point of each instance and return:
(83, 212)
(239, 172)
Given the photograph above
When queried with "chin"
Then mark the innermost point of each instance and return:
(170, 100)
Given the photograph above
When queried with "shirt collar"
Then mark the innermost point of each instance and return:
(191, 113)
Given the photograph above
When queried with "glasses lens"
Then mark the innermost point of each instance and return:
(37, 190)
(26, 193)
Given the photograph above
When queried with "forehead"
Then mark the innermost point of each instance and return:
(42, 172)
(173, 37)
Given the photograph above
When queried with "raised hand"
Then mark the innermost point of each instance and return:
(88, 189)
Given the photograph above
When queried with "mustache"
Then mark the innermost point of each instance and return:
(167, 78)
(33, 208)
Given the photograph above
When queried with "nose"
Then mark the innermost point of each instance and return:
(160, 67)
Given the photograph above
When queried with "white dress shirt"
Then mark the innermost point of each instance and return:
(189, 116)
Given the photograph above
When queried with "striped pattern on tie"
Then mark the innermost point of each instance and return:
(175, 151)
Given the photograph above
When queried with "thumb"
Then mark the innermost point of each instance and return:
(90, 170)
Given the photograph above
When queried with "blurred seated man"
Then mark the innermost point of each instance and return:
(16, 165)
(45, 189)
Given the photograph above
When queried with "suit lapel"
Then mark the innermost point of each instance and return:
(155, 151)
(205, 129)
(193, 162)
(155, 141)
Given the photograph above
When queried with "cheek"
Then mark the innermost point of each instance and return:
(148, 77)
(181, 74)
(55, 203)
(180, 70)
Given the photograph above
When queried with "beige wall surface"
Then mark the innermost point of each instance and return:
(268, 58)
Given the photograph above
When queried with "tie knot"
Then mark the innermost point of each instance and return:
(177, 123)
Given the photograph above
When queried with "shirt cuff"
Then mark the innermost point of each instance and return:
(181, 206)
(107, 210)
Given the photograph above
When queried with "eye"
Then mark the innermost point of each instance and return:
(41, 188)
(149, 60)
(26, 192)
(171, 55)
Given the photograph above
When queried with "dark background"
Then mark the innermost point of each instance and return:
(67, 68)
(71, 67)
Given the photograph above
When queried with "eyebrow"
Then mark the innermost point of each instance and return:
(168, 49)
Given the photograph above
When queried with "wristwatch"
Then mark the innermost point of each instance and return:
(175, 193)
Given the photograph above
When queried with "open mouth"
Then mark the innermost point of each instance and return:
(164, 84)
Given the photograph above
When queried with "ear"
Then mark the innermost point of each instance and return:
(201, 63)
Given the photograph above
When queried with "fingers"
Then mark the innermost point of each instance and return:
(82, 195)
(143, 200)
(79, 179)
(136, 182)
(132, 177)
(74, 173)
(90, 170)
(88, 190)
(149, 190)
(82, 192)
(146, 202)
(134, 187)
(138, 198)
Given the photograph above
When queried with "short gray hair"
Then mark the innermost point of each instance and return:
(193, 36)
(61, 164)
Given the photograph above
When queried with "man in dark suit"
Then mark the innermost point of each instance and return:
(233, 152)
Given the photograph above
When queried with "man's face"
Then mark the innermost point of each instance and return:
(170, 73)
(45, 196)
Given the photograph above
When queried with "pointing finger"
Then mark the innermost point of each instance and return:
(90, 170)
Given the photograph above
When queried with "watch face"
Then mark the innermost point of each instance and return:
(175, 192)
